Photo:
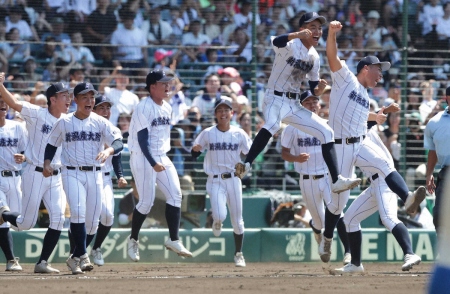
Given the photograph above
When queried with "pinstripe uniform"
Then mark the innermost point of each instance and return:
(156, 118)
(223, 149)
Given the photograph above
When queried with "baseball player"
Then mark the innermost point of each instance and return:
(13, 140)
(295, 60)
(149, 142)
(349, 113)
(82, 136)
(305, 151)
(39, 122)
(379, 197)
(224, 144)
(103, 108)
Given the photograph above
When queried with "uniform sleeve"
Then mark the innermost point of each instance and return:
(29, 111)
(110, 132)
(341, 77)
(140, 118)
(56, 136)
(202, 139)
(287, 137)
(246, 142)
(281, 50)
(428, 137)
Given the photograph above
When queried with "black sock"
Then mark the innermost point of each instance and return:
(89, 239)
(331, 221)
(50, 240)
(238, 241)
(173, 215)
(342, 232)
(136, 224)
(258, 145)
(314, 229)
(397, 184)
(79, 238)
(6, 243)
(355, 240)
(71, 241)
(330, 157)
(11, 217)
(102, 232)
(400, 233)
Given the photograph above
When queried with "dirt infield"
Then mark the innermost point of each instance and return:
(216, 278)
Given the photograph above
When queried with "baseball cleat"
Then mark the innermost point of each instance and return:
(133, 249)
(217, 228)
(348, 269)
(410, 261)
(242, 169)
(97, 257)
(45, 268)
(414, 199)
(73, 264)
(318, 237)
(347, 258)
(239, 260)
(325, 249)
(13, 265)
(344, 184)
(85, 263)
(177, 247)
(3, 208)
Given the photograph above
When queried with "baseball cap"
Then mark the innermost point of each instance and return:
(156, 76)
(223, 101)
(100, 99)
(447, 91)
(231, 71)
(83, 88)
(369, 60)
(306, 95)
(373, 14)
(56, 88)
(160, 54)
(311, 16)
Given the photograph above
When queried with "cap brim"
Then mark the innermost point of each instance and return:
(87, 91)
(109, 102)
(165, 79)
(63, 90)
(385, 65)
(223, 103)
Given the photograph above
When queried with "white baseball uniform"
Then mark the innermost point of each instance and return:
(314, 180)
(81, 141)
(293, 64)
(156, 118)
(39, 123)
(223, 187)
(13, 140)
(349, 112)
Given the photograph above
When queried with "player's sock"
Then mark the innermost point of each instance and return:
(331, 221)
(330, 157)
(89, 239)
(258, 145)
(11, 217)
(102, 233)
(355, 240)
(71, 241)
(238, 241)
(136, 224)
(400, 233)
(173, 215)
(313, 228)
(50, 240)
(6, 243)
(397, 184)
(79, 237)
(343, 236)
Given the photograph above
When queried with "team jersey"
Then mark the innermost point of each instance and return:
(39, 123)
(13, 140)
(300, 142)
(82, 140)
(293, 64)
(156, 118)
(107, 165)
(224, 148)
(349, 105)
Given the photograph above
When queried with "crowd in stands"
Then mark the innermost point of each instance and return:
(207, 45)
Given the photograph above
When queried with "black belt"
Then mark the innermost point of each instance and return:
(84, 168)
(314, 177)
(351, 140)
(40, 169)
(372, 178)
(9, 173)
(288, 95)
(107, 174)
(225, 176)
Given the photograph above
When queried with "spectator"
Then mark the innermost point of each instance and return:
(41, 100)
(302, 216)
(49, 52)
(194, 36)
(57, 32)
(75, 49)
(29, 70)
(245, 16)
(245, 121)
(176, 22)
(241, 46)
(415, 157)
(205, 101)
(422, 218)
(161, 58)
(14, 20)
(212, 58)
(14, 50)
(210, 27)
(390, 136)
(177, 100)
(77, 11)
(231, 82)
(123, 124)
(430, 15)
(373, 29)
(325, 103)
(308, 6)
(190, 11)
(159, 30)
(428, 103)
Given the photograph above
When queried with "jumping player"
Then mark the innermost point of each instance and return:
(295, 60)
(224, 144)
(39, 122)
(349, 113)
(304, 150)
(149, 142)
(103, 108)
(82, 136)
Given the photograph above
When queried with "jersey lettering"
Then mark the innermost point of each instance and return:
(9, 142)
(302, 65)
(83, 136)
(308, 142)
(223, 146)
(160, 121)
(358, 99)
(45, 129)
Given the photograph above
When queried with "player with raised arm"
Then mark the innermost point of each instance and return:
(149, 142)
(82, 136)
(296, 59)
(224, 144)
